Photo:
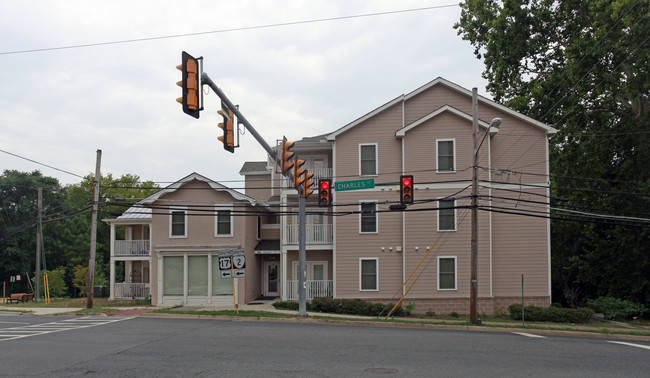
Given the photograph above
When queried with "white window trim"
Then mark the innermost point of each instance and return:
(376, 259)
(455, 216)
(309, 266)
(376, 217)
(171, 210)
(216, 221)
(453, 140)
(455, 272)
(376, 158)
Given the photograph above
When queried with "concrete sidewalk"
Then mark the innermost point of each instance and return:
(42, 310)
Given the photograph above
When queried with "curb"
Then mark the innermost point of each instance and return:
(347, 321)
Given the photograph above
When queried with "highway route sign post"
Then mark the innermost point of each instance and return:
(232, 263)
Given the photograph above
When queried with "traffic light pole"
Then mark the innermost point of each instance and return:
(302, 255)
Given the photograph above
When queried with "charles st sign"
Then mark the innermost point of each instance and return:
(354, 185)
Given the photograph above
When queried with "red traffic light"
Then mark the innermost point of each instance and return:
(324, 193)
(406, 190)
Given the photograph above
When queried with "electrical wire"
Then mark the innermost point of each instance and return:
(45, 165)
(268, 26)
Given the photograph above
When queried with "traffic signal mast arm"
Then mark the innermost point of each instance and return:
(206, 80)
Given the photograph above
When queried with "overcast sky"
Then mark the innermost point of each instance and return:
(59, 105)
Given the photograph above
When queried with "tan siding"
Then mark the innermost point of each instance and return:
(380, 130)
(421, 148)
(258, 186)
(520, 247)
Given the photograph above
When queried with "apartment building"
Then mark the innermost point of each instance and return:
(358, 248)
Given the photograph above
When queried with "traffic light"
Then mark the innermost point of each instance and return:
(228, 127)
(190, 84)
(406, 189)
(306, 184)
(297, 173)
(286, 156)
(324, 193)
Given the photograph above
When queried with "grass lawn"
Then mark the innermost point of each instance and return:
(100, 305)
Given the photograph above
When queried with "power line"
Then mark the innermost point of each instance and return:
(43, 164)
(268, 26)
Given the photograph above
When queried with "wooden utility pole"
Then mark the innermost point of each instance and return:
(473, 317)
(38, 245)
(93, 231)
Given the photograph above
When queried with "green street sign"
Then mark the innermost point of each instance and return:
(354, 185)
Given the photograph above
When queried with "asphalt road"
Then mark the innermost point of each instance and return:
(62, 346)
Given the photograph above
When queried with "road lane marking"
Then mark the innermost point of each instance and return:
(14, 333)
(630, 344)
(529, 335)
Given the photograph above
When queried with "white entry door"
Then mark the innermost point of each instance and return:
(271, 278)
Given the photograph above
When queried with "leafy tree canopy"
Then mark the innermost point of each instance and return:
(66, 220)
(581, 66)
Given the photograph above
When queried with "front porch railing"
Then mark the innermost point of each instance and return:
(132, 248)
(132, 291)
(314, 234)
(315, 288)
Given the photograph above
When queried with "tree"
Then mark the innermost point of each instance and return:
(18, 218)
(66, 220)
(581, 66)
(71, 239)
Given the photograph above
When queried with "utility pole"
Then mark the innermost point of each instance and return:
(302, 298)
(38, 244)
(473, 317)
(93, 231)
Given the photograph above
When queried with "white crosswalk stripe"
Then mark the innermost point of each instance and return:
(20, 332)
(630, 344)
(529, 335)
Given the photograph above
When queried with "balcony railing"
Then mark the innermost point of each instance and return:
(132, 291)
(132, 248)
(315, 288)
(314, 234)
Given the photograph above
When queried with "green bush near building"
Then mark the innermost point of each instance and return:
(344, 306)
(617, 309)
(551, 314)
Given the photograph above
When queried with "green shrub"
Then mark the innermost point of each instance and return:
(56, 282)
(80, 279)
(409, 308)
(616, 309)
(353, 307)
(551, 314)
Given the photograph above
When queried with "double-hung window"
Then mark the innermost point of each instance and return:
(446, 273)
(177, 222)
(446, 155)
(223, 222)
(368, 159)
(368, 218)
(446, 215)
(368, 274)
